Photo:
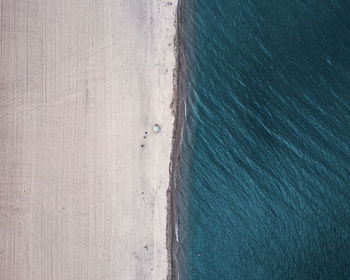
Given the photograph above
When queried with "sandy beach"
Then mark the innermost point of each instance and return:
(84, 179)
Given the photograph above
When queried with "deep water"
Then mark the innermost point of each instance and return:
(264, 184)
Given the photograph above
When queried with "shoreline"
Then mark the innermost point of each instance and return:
(178, 110)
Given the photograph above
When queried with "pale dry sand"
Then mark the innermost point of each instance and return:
(81, 82)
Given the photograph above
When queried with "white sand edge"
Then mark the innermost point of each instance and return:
(81, 82)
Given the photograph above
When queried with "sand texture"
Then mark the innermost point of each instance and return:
(82, 83)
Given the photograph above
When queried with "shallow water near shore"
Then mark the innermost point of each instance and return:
(264, 189)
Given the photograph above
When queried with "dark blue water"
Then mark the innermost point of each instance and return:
(265, 164)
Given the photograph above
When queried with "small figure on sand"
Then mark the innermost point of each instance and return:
(156, 128)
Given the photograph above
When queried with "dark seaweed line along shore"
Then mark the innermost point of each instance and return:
(178, 107)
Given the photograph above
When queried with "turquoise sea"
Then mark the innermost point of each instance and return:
(264, 179)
